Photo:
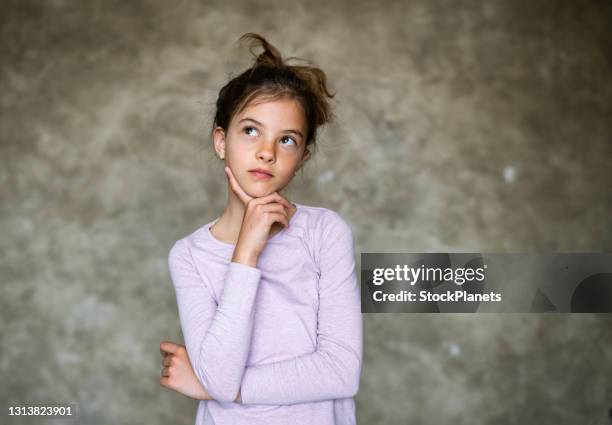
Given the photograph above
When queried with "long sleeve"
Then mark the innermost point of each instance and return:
(333, 370)
(217, 338)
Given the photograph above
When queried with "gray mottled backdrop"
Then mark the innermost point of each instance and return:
(478, 126)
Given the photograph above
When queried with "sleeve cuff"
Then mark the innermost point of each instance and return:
(245, 271)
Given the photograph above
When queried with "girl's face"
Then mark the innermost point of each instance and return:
(270, 136)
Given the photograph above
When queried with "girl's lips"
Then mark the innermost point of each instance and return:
(258, 175)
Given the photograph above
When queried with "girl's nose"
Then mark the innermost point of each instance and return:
(266, 153)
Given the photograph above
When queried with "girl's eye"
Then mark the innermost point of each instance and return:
(246, 129)
(289, 138)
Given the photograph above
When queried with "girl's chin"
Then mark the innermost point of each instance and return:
(258, 192)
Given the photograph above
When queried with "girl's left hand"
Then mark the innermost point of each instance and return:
(177, 373)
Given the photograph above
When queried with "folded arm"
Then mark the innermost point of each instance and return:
(217, 337)
(334, 369)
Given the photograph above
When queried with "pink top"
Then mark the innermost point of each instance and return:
(287, 333)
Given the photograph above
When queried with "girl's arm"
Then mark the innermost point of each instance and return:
(334, 369)
(217, 338)
(177, 373)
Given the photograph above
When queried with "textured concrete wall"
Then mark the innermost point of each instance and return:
(462, 126)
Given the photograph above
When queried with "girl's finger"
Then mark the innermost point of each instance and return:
(276, 207)
(274, 196)
(167, 347)
(284, 200)
(242, 195)
(279, 217)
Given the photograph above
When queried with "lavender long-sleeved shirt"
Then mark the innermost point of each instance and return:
(288, 333)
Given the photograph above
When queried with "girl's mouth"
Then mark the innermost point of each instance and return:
(259, 175)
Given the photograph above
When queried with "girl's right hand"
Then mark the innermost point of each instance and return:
(259, 216)
(177, 373)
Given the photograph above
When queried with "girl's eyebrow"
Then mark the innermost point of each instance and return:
(297, 132)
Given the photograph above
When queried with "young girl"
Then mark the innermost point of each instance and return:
(267, 294)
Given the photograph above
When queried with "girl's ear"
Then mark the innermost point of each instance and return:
(304, 159)
(219, 142)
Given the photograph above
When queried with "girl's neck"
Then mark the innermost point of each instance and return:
(227, 228)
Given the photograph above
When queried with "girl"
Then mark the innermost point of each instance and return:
(267, 294)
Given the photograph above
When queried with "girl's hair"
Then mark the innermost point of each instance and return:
(270, 78)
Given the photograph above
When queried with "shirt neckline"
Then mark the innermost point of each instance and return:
(298, 208)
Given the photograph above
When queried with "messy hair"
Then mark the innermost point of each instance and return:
(271, 78)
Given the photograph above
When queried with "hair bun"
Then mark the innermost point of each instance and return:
(270, 56)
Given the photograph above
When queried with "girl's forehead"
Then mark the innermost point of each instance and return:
(263, 104)
(274, 112)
